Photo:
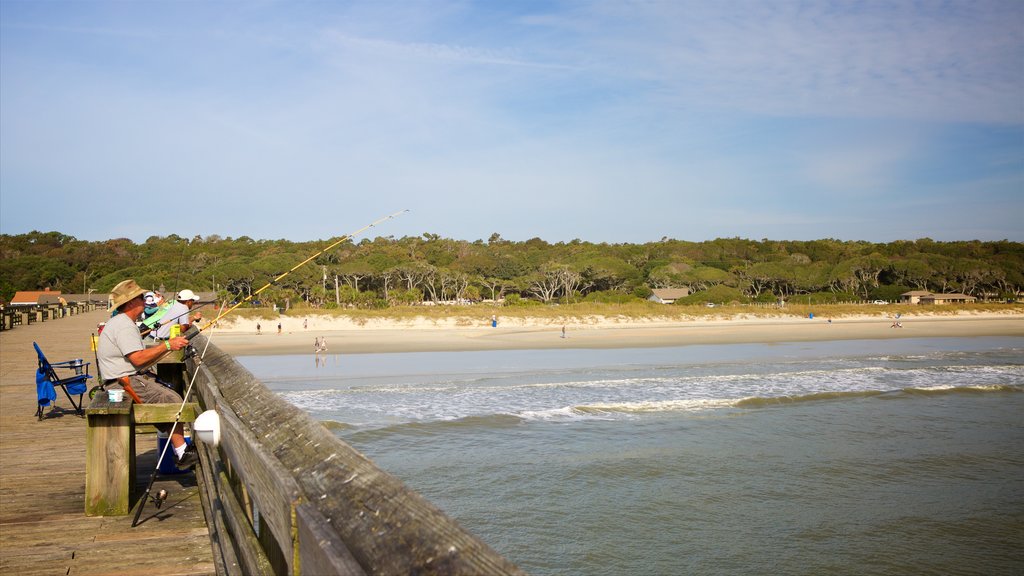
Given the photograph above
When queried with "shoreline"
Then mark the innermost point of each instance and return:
(343, 337)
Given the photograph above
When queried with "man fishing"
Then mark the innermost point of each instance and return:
(179, 314)
(121, 354)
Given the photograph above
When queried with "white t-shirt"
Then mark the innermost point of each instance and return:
(119, 338)
(176, 314)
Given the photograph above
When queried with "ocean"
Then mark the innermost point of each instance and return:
(845, 457)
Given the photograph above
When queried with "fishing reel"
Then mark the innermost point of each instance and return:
(159, 498)
(188, 352)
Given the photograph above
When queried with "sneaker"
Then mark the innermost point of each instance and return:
(188, 459)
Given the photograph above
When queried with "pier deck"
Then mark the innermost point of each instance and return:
(43, 526)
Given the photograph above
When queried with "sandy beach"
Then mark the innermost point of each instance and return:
(345, 337)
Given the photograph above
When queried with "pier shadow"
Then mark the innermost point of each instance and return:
(55, 412)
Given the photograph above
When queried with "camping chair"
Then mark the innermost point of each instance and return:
(47, 381)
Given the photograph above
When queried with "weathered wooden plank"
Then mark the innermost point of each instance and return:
(252, 559)
(43, 529)
(224, 556)
(101, 404)
(320, 550)
(268, 483)
(162, 413)
(110, 464)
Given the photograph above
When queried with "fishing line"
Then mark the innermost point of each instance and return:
(299, 265)
(248, 298)
(158, 500)
(199, 361)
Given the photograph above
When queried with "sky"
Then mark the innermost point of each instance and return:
(605, 121)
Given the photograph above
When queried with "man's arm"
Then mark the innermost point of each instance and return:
(147, 356)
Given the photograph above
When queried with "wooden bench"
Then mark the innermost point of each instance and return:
(110, 449)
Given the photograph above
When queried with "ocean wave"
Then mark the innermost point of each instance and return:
(687, 405)
(432, 427)
(334, 425)
(970, 389)
(599, 411)
(696, 405)
(762, 401)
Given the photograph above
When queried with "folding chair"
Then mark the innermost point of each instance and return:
(47, 381)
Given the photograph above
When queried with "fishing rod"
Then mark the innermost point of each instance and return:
(301, 264)
(161, 321)
(192, 333)
(159, 498)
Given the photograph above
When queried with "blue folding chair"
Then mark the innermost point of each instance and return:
(47, 381)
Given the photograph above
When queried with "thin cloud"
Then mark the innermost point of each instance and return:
(440, 52)
(918, 61)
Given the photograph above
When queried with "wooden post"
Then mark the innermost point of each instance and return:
(109, 457)
(110, 449)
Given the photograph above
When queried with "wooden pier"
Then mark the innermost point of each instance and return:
(280, 495)
(43, 527)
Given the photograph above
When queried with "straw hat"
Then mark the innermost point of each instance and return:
(124, 292)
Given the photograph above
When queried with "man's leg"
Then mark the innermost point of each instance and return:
(151, 391)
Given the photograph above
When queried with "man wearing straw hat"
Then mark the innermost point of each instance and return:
(121, 354)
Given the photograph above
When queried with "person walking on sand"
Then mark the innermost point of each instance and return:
(258, 327)
(563, 330)
(304, 323)
(278, 327)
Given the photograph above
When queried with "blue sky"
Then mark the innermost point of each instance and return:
(607, 121)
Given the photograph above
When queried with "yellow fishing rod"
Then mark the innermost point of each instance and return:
(300, 265)
(162, 495)
(192, 333)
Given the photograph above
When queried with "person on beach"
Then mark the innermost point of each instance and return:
(304, 323)
(258, 328)
(179, 314)
(278, 327)
(121, 354)
(563, 330)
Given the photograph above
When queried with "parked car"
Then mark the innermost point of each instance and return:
(880, 302)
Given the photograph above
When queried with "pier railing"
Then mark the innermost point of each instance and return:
(19, 315)
(285, 496)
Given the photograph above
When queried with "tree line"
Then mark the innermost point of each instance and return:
(388, 271)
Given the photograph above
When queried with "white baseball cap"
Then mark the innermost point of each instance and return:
(150, 298)
(187, 294)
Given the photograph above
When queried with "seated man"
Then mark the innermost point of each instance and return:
(154, 311)
(179, 314)
(121, 354)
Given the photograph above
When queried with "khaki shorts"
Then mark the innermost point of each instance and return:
(149, 390)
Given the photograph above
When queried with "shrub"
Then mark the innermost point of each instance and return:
(610, 297)
(715, 294)
(517, 300)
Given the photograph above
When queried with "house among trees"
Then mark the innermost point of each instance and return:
(926, 297)
(35, 297)
(668, 295)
